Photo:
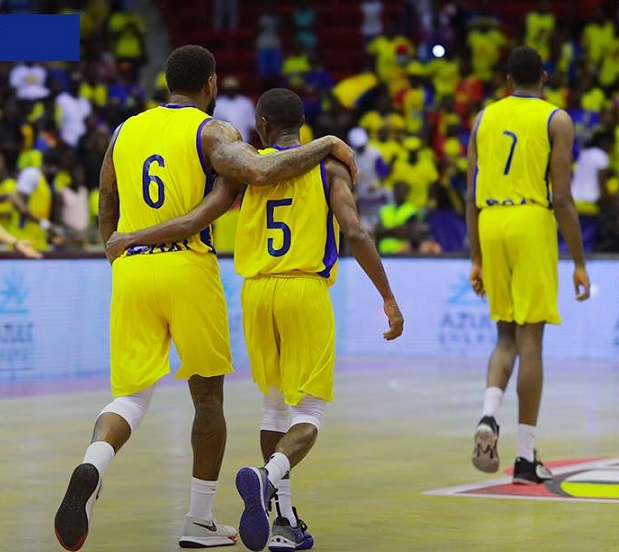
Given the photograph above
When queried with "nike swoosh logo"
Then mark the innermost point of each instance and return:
(211, 527)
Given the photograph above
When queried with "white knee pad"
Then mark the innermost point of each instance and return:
(132, 408)
(275, 413)
(309, 411)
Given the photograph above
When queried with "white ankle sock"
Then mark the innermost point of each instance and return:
(284, 502)
(202, 498)
(277, 467)
(493, 398)
(99, 454)
(526, 441)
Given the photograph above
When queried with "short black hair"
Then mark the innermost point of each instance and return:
(188, 68)
(524, 65)
(282, 107)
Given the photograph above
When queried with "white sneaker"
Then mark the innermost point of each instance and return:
(203, 533)
(75, 511)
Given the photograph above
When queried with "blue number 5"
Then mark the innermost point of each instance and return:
(272, 224)
(511, 150)
(148, 178)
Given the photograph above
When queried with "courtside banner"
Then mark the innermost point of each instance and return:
(26, 37)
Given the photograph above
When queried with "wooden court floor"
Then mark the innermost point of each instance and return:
(398, 427)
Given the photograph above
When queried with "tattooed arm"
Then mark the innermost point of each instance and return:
(109, 205)
(231, 157)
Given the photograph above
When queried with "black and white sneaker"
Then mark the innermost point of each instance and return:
(530, 473)
(73, 515)
(485, 453)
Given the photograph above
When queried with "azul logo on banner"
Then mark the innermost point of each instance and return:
(16, 325)
(465, 328)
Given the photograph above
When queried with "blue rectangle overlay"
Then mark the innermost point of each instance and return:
(29, 37)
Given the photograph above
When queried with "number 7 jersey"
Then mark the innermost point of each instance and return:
(513, 153)
(160, 171)
(288, 229)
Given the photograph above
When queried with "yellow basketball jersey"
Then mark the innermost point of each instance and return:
(513, 152)
(288, 229)
(161, 173)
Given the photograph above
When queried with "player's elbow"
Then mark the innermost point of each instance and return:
(560, 201)
(191, 226)
(355, 234)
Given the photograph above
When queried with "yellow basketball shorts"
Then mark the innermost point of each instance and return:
(290, 335)
(159, 297)
(519, 260)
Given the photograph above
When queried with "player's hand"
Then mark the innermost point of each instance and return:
(26, 249)
(477, 280)
(342, 151)
(396, 320)
(116, 245)
(582, 286)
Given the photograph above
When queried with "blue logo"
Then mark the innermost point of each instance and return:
(13, 294)
(463, 295)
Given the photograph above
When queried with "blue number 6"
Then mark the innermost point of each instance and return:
(272, 224)
(147, 178)
(511, 150)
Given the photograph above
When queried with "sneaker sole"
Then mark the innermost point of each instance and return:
(207, 542)
(71, 521)
(254, 526)
(485, 456)
(522, 481)
(288, 546)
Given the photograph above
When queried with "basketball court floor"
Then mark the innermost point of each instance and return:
(391, 471)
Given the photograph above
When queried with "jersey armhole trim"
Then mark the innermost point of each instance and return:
(199, 145)
(116, 135)
(554, 112)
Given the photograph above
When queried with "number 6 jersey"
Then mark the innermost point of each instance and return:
(288, 229)
(513, 153)
(160, 172)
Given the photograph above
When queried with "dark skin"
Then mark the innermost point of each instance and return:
(230, 157)
(300, 438)
(525, 340)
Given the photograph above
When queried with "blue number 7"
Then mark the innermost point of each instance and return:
(272, 224)
(511, 150)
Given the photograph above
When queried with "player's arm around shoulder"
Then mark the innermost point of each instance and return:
(343, 205)
(202, 215)
(231, 157)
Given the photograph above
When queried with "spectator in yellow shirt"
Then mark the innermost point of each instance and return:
(419, 173)
(485, 42)
(540, 26)
(598, 38)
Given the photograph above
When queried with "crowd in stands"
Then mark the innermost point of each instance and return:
(56, 120)
(407, 112)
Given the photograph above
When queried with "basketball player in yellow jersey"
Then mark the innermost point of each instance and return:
(158, 167)
(287, 252)
(519, 165)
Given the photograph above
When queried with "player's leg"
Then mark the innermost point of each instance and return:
(263, 342)
(199, 328)
(139, 346)
(497, 282)
(533, 248)
(275, 423)
(306, 330)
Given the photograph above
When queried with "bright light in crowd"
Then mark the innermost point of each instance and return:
(438, 50)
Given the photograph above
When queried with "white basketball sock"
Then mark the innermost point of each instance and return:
(284, 502)
(493, 398)
(526, 441)
(277, 467)
(202, 498)
(99, 454)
